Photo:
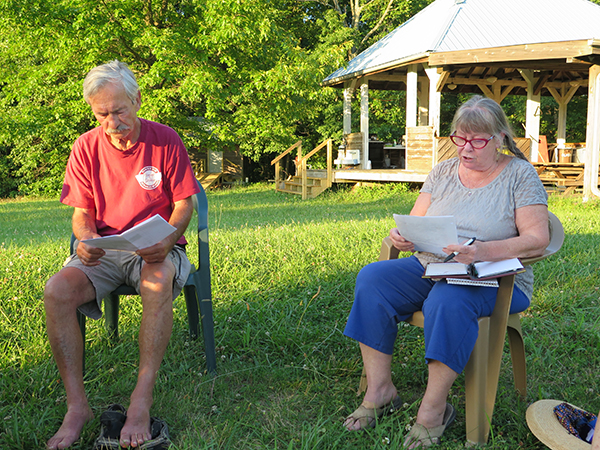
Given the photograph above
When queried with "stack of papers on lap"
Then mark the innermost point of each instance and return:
(428, 233)
(145, 234)
(478, 271)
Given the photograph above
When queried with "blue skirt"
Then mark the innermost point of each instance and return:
(389, 292)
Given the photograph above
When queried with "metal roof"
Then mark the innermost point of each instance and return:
(452, 25)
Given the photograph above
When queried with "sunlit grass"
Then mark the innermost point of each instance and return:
(283, 273)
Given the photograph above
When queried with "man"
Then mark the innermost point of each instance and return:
(119, 174)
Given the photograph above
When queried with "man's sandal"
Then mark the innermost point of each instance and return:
(111, 423)
(367, 417)
(160, 436)
(426, 437)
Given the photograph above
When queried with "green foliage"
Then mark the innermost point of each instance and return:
(241, 73)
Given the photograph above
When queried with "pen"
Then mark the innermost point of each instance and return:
(453, 254)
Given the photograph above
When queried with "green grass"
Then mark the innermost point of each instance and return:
(283, 274)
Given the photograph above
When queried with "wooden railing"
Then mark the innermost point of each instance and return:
(302, 169)
(277, 161)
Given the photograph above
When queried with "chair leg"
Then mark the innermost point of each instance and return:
(476, 385)
(517, 353)
(111, 314)
(81, 321)
(191, 301)
(208, 330)
(198, 298)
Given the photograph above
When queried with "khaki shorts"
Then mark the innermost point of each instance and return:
(119, 268)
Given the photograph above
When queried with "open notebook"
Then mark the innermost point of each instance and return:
(480, 271)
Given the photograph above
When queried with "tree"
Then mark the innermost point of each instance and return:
(240, 72)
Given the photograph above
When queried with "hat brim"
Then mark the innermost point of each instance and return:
(545, 426)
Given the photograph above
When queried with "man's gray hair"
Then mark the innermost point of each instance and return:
(111, 72)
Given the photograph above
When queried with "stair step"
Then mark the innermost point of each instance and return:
(309, 181)
(296, 188)
(287, 191)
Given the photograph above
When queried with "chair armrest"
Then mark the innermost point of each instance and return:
(388, 251)
(73, 239)
(557, 237)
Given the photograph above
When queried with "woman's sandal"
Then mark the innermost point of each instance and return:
(367, 417)
(426, 437)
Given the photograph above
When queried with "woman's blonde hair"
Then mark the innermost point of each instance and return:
(483, 115)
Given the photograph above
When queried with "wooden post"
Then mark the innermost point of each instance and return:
(532, 120)
(563, 98)
(304, 181)
(590, 173)
(329, 162)
(347, 120)
(411, 96)
(364, 121)
(435, 96)
(423, 98)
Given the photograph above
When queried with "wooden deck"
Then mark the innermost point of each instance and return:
(378, 175)
(566, 178)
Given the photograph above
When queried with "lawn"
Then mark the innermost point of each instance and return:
(283, 274)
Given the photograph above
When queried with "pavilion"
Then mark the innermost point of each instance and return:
(496, 48)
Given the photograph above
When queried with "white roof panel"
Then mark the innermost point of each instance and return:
(451, 25)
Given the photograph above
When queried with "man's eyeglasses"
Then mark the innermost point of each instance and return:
(477, 144)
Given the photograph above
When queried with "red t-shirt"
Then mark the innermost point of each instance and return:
(127, 187)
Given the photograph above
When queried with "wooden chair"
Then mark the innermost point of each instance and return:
(483, 369)
(197, 292)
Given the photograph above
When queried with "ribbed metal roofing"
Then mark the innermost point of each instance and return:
(450, 25)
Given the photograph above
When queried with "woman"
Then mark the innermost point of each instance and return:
(495, 197)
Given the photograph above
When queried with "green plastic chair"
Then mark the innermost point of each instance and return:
(197, 292)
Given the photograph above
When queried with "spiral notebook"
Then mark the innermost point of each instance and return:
(469, 282)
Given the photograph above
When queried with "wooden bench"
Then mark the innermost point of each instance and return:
(567, 175)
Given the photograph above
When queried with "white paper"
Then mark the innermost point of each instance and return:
(144, 234)
(428, 233)
(490, 268)
(434, 270)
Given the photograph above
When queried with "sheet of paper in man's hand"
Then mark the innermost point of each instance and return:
(144, 234)
(428, 233)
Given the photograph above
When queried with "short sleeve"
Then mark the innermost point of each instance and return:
(77, 190)
(529, 189)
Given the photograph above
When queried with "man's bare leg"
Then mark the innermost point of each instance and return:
(155, 331)
(64, 292)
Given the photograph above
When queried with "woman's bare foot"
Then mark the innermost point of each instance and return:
(136, 430)
(70, 430)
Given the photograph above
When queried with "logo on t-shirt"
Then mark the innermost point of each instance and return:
(149, 178)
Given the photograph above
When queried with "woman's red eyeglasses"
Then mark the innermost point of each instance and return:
(477, 144)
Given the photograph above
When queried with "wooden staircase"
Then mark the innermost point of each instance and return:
(208, 180)
(302, 183)
(314, 186)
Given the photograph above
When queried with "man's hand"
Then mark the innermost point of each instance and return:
(180, 218)
(157, 253)
(88, 255)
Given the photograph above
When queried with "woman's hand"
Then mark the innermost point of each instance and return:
(399, 242)
(467, 254)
